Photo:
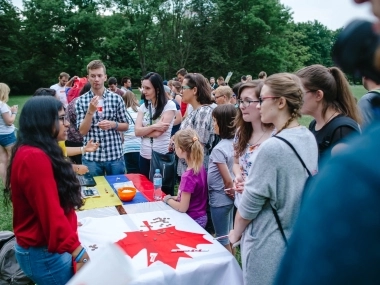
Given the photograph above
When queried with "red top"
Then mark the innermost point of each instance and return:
(183, 108)
(38, 219)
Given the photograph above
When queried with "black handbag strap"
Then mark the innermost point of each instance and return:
(129, 115)
(151, 121)
(279, 225)
(292, 147)
(273, 209)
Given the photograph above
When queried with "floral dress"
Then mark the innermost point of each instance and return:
(245, 162)
(199, 120)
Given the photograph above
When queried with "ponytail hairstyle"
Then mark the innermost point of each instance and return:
(203, 87)
(188, 141)
(288, 86)
(336, 89)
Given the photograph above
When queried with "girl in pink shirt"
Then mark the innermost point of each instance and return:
(192, 191)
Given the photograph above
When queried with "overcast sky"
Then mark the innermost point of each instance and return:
(332, 13)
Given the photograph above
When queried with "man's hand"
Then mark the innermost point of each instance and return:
(106, 125)
(92, 107)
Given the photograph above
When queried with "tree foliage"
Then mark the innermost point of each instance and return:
(133, 37)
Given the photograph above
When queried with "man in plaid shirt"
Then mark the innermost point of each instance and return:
(101, 115)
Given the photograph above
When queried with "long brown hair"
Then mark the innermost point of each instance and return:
(336, 89)
(244, 130)
(130, 100)
(288, 86)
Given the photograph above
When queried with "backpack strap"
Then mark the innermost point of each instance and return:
(333, 126)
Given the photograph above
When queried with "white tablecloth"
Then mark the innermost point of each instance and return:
(216, 266)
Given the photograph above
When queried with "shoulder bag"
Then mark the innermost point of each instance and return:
(273, 209)
(164, 162)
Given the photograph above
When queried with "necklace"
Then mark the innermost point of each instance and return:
(330, 118)
(259, 138)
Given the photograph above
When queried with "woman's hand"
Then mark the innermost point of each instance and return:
(107, 125)
(91, 146)
(166, 198)
(161, 126)
(233, 237)
(239, 184)
(80, 169)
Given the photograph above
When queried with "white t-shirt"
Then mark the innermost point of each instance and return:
(4, 128)
(161, 143)
(61, 93)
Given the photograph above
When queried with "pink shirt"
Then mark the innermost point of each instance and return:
(196, 185)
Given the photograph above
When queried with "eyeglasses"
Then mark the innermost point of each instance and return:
(261, 99)
(184, 87)
(64, 119)
(247, 103)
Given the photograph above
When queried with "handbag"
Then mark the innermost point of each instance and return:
(273, 209)
(164, 162)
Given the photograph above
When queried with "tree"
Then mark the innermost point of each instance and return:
(11, 46)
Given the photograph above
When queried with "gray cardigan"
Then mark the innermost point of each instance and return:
(276, 177)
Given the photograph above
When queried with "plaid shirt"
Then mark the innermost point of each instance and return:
(110, 147)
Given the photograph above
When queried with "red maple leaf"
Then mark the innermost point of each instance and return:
(160, 242)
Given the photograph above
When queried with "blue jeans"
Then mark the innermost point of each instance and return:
(132, 162)
(101, 168)
(43, 267)
(8, 139)
(222, 218)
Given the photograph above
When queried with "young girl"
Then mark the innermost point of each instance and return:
(192, 191)
(219, 172)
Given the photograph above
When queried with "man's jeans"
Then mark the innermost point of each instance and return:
(101, 168)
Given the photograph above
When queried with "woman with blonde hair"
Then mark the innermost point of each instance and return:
(7, 129)
(329, 100)
(132, 143)
(272, 192)
(192, 191)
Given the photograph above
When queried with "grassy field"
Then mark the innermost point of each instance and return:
(6, 214)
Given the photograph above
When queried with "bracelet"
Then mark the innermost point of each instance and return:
(80, 254)
(117, 125)
(90, 113)
(82, 150)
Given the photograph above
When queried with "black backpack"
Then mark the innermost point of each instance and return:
(330, 129)
(10, 271)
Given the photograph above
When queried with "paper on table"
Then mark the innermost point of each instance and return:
(112, 266)
(105, 199)
(146, 207)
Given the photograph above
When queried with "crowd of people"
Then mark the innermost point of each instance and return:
(245, 164)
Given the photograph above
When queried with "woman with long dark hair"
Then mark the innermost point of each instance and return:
(329, 100)
(196, 91)
(44, 192)
(163, 112)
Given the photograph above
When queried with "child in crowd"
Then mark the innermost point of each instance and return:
(219, 172)
(192, 191)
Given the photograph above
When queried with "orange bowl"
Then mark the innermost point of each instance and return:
(126, 193)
